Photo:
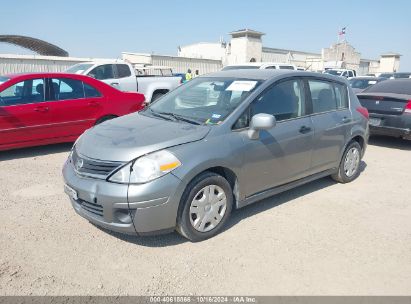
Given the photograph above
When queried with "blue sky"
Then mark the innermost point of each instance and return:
(91, 28)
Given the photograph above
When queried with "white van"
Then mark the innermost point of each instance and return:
(260, 65)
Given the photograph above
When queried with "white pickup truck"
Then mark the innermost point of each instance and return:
(151, 81)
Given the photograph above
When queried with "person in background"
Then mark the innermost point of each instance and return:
(189, 76)
(196, 74)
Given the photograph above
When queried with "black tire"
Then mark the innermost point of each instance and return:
(156, 96)
(105, 118)
(184, 223)
(342, 176)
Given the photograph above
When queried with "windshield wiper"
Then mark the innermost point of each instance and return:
(156, 114)
(179, 117)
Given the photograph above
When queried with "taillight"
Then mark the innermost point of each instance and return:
(408, 107)
(363, 111)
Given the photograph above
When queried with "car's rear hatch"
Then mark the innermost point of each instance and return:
(384, 103)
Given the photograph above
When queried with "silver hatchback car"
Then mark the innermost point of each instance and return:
(219, 142)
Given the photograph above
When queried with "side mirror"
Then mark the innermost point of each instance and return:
(260, 122)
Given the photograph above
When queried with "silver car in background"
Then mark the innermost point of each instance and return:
(217, 143)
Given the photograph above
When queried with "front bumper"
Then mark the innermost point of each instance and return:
(153, 206)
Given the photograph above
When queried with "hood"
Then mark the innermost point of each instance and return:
(128, 137)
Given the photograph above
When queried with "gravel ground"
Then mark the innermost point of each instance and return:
(319, 239)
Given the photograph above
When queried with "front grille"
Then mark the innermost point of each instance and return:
(91, 207)
(94, 168)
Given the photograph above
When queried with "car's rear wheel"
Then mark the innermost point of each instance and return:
(205, 207)
(105, 118)
(349, 168)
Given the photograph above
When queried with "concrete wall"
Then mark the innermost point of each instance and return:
(11, 64)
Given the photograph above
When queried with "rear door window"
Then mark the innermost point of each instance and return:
(123, 71)
(66, 88)
(323, 96)
(102, 72)
(24, 92)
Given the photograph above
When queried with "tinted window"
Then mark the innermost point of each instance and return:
(65, 88)
(361, 83)
(123, 70)
(324, 96)
(90, 91)
(334, 72)
(102, 72)
(271, 67)
(398, 86)
(284, 100)
(24, 92)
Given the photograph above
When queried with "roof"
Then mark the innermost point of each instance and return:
(390, 54)
(50, 74)
(36, 45)
(266, 74)
(259, 64)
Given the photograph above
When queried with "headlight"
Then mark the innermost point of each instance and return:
(146, 168)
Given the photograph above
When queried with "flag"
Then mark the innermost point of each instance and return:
(342, 32)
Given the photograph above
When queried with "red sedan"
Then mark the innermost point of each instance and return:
(45, 108)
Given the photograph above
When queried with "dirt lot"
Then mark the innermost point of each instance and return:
(322, 238)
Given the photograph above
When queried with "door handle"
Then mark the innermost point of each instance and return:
(114, 84)
(346, 120)
(41, 109)
(305, 129)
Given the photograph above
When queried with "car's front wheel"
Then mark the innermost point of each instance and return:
(206, 205)
(349, 168)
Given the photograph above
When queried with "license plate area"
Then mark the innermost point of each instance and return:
(70, 192)
(374, 121)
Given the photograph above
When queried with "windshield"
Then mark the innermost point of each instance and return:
(79, 68)
(3, 79)
(241, 67)
(203, 100)
(333, 72)
(361, 83)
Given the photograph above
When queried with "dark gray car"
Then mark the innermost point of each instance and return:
(219, 142)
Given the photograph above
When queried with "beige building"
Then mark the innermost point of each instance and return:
(247, 46)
